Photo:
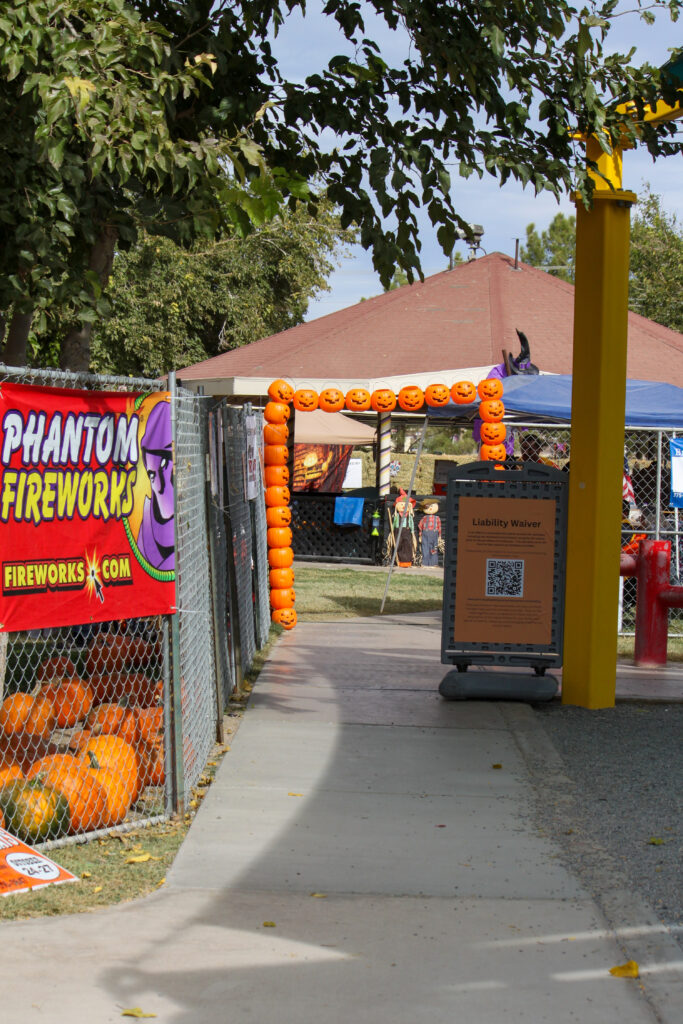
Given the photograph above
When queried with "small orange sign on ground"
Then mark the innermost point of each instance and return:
(22, 869)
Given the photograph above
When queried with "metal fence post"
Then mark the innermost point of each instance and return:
(176, 693)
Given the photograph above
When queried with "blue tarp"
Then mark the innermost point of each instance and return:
(348, 511)
(648, 403)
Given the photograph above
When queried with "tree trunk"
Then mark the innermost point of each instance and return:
(14, 352)
(75, 353)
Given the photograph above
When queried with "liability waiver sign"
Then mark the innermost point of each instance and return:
(86, 506)
(504, 570)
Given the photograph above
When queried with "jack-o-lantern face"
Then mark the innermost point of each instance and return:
(492, 387)
(277, 496)
(493, 433)
(279, 537)
(492, 453)
(383, 400)
(280, 579)
(437, 395)
(275, 433)
(275, 454)
(279, 515)
(280, 558)
(276, 412)
(305, 400)
(282, 598)
(463, 392)
(358, 399)
(331, 400)
(281, 391)
(411, 398)
(491, 411)
(276, 476)
(285, 617)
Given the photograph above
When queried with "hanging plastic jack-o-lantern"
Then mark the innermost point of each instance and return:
(275, 433)
(275, 454)
(279, 515)
(276, 412)
(279, 537)
(358, 399)
(493, 433)
(491, 411)
(277, 496)
(331, 400)
(492, 387)
(305, 400)
(280, 558)
(280, 579)
(492, 453)
(437, 395)
(463, 392)
(285, 617)
(281, 391)
(276, 476)
(411, 398)
(383, 400)
(282, 598)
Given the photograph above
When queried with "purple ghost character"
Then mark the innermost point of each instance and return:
(156, 539)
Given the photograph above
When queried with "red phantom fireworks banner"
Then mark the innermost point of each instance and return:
(86, 506)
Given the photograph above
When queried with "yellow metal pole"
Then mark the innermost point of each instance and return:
(597, 443)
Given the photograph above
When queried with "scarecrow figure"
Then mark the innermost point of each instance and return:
(430, 533)
(404, 522)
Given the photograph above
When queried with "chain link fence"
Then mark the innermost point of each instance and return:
(82, 727)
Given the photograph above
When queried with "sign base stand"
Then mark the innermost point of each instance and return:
(480, 685)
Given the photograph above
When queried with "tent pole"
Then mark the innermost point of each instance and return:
(405, 516)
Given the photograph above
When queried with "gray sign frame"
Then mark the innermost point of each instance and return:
(530, 480)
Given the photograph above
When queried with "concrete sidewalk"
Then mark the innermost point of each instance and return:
(367, 854)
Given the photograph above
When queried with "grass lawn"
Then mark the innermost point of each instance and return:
(331, 593)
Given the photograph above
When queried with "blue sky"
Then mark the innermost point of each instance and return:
(305, 45)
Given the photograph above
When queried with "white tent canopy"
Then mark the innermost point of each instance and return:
(330, 428)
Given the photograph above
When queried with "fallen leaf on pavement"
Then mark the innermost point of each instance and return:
(135, 1011)
(269, 924)
(627, 970)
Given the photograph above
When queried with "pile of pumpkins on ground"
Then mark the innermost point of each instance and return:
(77, 752)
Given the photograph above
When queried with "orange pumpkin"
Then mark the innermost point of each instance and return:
(383, 400)
(463, 392)
(150, 723)
(71, 700)
(31, 716)
(117, 652)
(277, 496)
(492, 453)
(113, 752)
(275, 433)
(117, 793)
(153, 763)
(280, 391)
(280, 579)
(331, 400)
(491, 410)
(280, 558)
(411, 398)
(54, 762)
(276, 476)
(114, 719)
(305, 400)
(279, 537)
(284, 598)
(492, 387)
(285, 617)
(85, 796)
(279, 515)
(358, 399)
(493, 433)
(275, 454)
(437, 395)
(59, 665)
(10, 773)
(276, 412)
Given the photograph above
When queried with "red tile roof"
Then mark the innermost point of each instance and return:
(460, 318)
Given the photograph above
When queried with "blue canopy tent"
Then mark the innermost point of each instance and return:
(549, 396)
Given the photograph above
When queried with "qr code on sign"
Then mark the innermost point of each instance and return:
(504, 577)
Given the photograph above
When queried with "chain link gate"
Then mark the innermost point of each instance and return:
(76, 696)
